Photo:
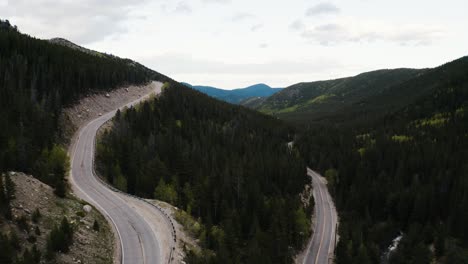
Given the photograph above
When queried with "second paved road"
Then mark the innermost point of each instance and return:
(322, 246)
(138, 242)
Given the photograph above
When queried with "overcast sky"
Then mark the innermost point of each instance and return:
(235, 43)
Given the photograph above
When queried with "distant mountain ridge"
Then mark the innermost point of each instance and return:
(367, 96)
(236, 96)
(319, 100)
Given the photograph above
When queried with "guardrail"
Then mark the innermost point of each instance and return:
(166, 216)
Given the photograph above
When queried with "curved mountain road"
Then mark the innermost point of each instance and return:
(321, 247)
(138, 240)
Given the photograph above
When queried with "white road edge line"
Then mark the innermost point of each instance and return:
(73, 147)
(122, 254)
(323, 225)
(313, 234)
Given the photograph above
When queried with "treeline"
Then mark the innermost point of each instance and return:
(59, 239)
(225, 165)
(7, 193)
(37, 79)
(405, 174)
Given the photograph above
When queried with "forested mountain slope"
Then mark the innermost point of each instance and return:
(253, 102)
(226, 165)
(37, 79)
(236, 96)
(315, 101)
(404, 173)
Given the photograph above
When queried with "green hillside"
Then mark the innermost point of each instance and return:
(365, 97)
(310, 102)
(253, 102)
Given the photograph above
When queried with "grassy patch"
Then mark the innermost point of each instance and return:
(320, 99)
(437, 120)
(192, 226)
(289, 109)
(401, 138)
(460, 112)
(267, 110)
(361, 151)
(165, 86)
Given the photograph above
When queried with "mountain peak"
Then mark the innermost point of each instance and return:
(237, 95)
(69, 44)
(260, 85)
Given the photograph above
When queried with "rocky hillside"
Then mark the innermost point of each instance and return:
(36, 211)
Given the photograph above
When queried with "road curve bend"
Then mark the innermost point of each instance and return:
(138, 241)
(321, 247)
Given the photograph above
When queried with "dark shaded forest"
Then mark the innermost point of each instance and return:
(405, 173)
(38, 79)
(226, 165)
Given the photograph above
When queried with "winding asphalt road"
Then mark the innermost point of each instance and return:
(322, 245)
(138, 242)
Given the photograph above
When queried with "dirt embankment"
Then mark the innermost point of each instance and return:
(184, 239)
(94, 105)
(89, 246)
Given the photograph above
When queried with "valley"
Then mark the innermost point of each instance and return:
(360, 157)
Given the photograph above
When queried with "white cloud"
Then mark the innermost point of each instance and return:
(256, 27)
(322, 8)
(242, 16)
(276, 72)
(219, 45)
(188, 64)
(183, 7)
(354, 31)
(83, 21)
(217, 1)
(297, 25)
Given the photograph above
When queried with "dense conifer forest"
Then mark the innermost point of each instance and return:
(404, 174)
(225, 165)
(37, 79)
